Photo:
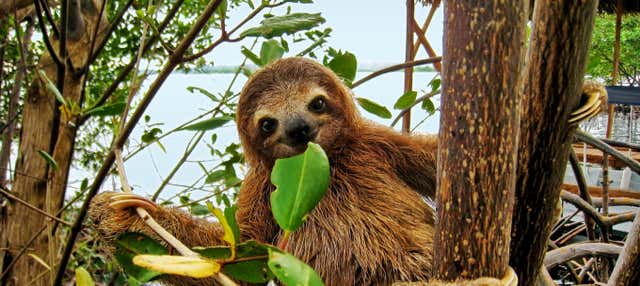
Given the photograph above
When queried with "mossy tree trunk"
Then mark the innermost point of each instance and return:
(483, 52)
(555, 67)
(46, 128)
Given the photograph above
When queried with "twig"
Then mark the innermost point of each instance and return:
(45, 36)
(577, 250)
(28, 205)
(601, 220)
(394, 68)
(584, 191)
(589, 139)
(597, 202)
(418, 100)
(625, 272)
(171, 64)
(614, 143)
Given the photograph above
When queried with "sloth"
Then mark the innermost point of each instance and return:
(373, 227)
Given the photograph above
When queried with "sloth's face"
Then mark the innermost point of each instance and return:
(289, 117)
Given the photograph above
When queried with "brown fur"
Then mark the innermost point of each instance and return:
(373, 227)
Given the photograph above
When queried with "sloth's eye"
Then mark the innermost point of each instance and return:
(268, 125)
(317, 105)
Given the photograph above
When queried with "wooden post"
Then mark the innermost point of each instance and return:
(483, 52)
(556, 63)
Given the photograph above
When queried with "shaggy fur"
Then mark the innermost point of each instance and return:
(373, 227)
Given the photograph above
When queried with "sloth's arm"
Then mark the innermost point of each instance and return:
(111, 215)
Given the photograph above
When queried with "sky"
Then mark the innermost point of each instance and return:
(373, 30)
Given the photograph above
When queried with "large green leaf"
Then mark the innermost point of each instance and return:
(301, 181)
(271, 50)
(406, 100)
(374, 108)
(287, 24)
(208, 124)
(291, 271)
(345, 66)
(130, 244)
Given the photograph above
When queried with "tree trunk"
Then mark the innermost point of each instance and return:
(45, 128)
(557, 55)
(483, 52)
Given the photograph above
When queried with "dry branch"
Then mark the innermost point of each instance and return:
(602, 220)
(578, 250)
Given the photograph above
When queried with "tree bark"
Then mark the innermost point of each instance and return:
(46, 128)
(556, 62)
(484, 53)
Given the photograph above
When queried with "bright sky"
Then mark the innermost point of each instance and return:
(373, 30)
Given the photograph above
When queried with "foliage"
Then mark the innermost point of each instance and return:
(601, 51)
(301, 182)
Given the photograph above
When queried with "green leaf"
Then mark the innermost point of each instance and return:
(301, 181)
(252, 57)
(215, 176)
(435, 84)
(130, 244)
(222, 9)
(107, 109)
(208, 124)
(50, 161)
(374, 108)
(52, 88)
(203, 91)
(150, 135)
(83, 278)
(229, 224)
(291, 271)
(271, 50)
(230, 215)
(287, 24)
(345, 66)
(406, 100)
(427, 105)
(133, 281)
(253, 268)
(198, 209)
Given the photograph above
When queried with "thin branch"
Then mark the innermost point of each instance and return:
(578, 250)
(418, 100)
(32, 207)
(395, 68)
(107, 34)
(47, 14)
(119, 141)
(62, 44)
(584, 191)
(597, 202)
(45, 36)
(593, 141)
(601, 220)
(614, 143)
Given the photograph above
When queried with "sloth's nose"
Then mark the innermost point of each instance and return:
(299, 132)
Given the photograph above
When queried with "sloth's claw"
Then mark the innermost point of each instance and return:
(124, 201)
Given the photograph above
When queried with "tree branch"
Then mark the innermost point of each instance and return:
(593, 141)
(418, 101)
(601, 220)
(32, 207)
(394, 68)
(574, 251)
